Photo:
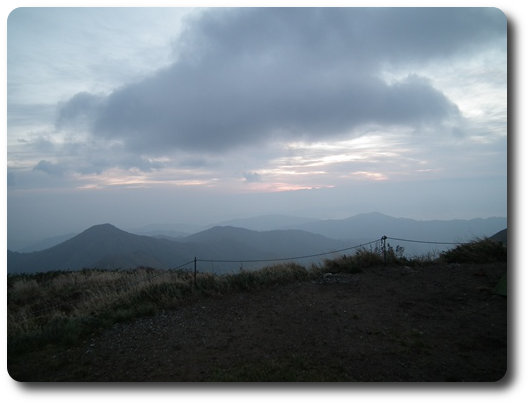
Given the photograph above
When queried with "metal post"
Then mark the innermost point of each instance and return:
(384, 249)
(195, 272)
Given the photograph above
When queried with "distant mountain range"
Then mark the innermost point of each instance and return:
(107, 247)
(370, 226)
(227, 243)
(268, 222)
(373, 225)
(101, 246)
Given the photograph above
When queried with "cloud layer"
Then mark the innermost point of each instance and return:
(246, 76)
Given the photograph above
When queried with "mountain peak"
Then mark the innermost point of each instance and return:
(103, 227)
(373, 214)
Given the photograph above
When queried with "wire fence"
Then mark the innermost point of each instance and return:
(381, 240)
(128, 284)
(424, 241)
(283, 259)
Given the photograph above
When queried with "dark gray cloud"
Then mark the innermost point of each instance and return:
(80, 111)
(246, 75)
(48, 167)
(86, 157)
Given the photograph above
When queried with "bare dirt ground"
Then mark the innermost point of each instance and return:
(437, 323)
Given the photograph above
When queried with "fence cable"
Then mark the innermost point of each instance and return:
(424, 241)
(125, 284)
(285, 258)
(183, 265)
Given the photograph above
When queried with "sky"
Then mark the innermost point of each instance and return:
(136, 116)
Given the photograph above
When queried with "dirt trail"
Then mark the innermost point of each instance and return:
(438, 323)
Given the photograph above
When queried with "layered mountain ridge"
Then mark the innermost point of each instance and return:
(107, 247)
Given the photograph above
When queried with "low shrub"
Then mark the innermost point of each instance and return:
(363, 258)
(478, 251)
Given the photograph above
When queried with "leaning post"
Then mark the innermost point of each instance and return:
(383, 240)
(195, 272)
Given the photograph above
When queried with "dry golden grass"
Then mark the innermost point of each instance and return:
(62, 307)
(41, 302)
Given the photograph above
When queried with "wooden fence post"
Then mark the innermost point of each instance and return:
(383, 239)
(195, 272)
